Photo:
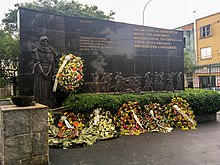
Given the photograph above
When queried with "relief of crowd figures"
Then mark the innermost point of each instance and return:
(102, 83)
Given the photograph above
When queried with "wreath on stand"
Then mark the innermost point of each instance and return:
(70, 73)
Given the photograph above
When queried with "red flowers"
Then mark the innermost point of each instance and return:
(60, 124)
(73, 69)
(75, 124)
(79, 77)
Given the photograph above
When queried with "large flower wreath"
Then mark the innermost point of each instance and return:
(70, 74)
(128, 119)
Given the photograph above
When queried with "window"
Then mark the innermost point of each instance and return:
(184, 40)
(205, 31)
(205, 80)
(206, 52)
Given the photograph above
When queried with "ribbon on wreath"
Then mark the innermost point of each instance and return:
(61, 132)
(167, 129)
(96, 118)
(63, 118)
(184, 115)
(137, 120)
(67, 58)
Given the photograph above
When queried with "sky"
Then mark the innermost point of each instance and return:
(168, 14)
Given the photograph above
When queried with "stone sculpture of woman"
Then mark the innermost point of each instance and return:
(44, 71)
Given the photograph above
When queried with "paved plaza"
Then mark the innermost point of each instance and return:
(192, 147)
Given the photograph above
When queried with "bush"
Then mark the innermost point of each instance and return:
(3, 82)
(200, 101)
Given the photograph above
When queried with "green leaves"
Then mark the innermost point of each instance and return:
(201, 101)
(61, 7)
(189, 65)
(9, 48)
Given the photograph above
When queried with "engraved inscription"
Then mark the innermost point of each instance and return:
(155, 38)
(94, 43)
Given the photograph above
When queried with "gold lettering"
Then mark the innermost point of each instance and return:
(146, 37)
(85, 21)
(94, 43)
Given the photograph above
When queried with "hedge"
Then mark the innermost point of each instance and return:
(201, 101)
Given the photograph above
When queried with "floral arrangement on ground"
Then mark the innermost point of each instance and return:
(68, 130)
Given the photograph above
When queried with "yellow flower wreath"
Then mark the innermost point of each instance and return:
(70, 73)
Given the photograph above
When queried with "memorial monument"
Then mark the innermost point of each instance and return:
(118, 57)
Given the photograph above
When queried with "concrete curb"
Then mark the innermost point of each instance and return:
(218, 116)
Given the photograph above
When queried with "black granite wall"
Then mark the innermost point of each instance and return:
(105, 46)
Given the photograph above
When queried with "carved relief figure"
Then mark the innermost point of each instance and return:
(148, 82)
(137, 84)
(161, 81)
(133, 84)
(129, 83)
(106, 82)
(44, 71)
(119, 82)
(179, 81)
(170, 86)
(156, 81)
(95, 82)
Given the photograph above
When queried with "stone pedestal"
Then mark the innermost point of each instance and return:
(24, 135)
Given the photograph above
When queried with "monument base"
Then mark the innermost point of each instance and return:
(24, 135)
(206, 117)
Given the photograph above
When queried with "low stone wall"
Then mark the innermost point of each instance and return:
(5, 102)
(24, 135)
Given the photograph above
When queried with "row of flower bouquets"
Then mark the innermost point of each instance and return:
(76, 130)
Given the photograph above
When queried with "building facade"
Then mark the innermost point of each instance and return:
(189, 50)
(207, 54)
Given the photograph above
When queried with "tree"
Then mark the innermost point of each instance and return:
(9, 48)
(189, 66)
(61, 7)
(9, 37)
(9, 51)
(9, 42)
